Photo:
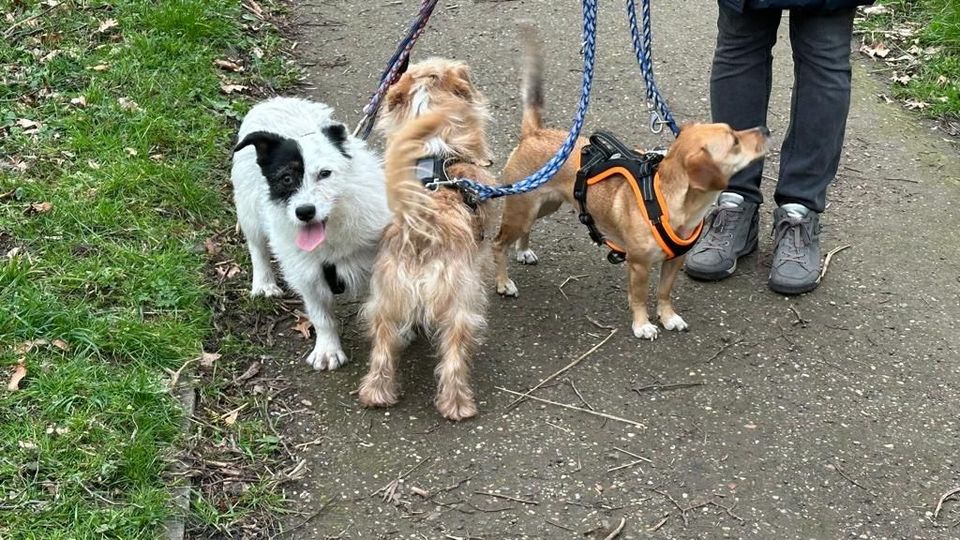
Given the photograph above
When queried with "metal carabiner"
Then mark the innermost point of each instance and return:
(656, 122)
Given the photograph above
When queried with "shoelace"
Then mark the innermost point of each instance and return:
(792, 249)
(720, 231)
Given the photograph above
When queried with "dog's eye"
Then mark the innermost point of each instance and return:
(324, 173)
(286, 179)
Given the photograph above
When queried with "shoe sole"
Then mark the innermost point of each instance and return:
(791, 290)
(723, 274)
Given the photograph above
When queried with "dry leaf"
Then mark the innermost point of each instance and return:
(18, 374)
(231, 418)
(942, 81)
(231, 88)
(128, 104)
(30, 345)
(93, 165)
(303, 325)
(14, 252)
(60, 344)
(257, 52)
(27, 445)
(915, 105)
(876, 10)
(253, 7)
(107, 26)
(877, 50)
(132, 152)
(228, 65)
(212, 247)
(35, 208)
(29, 126)
(100, 67)
(156, 157)
(885, 98)
(79, 101)
(207, 359)
(904, 79)
(250, 373)
(228, 271)
(51, 3)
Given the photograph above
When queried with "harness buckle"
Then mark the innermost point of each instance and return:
(616, 257)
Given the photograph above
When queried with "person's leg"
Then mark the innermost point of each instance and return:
(814, 142)
(818, 112)
(741, 79)
(740, 85)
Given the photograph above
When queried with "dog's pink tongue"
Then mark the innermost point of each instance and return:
(311, 236)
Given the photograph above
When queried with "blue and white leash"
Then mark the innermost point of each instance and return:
(642, 45)
(535, 180)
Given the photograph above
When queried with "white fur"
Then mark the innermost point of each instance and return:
(646, 331)
(527, 256)
(675, 322)
(352, 200)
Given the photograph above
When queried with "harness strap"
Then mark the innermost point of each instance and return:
(606, 156)
(432, 173)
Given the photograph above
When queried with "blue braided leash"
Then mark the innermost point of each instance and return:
(483, 192)
(395, 67)
(642, 45)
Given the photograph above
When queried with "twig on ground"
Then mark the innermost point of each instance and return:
(728, 510)
(836, 465)
(308, 519)
(800, 320)
(616, 532)
(506, 497)
(561, 371)
(826, 260)
(599, 325)
(391, 487)
(175, 376)
(560, 526)
(722, 349)
(490, 510)
(568, 280)
(683, 512)
(909, 180)
(631, 454)
(661, 523)
(662, 387)
(579, 395)
(627, 466)
(564, 405)
(943, 499)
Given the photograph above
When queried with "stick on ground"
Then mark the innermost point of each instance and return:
(943, 499)
(826, 260)
(565, 406)
(616, 532)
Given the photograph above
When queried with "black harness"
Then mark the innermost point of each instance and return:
(432, 173)
(337, 285)
(606, 156)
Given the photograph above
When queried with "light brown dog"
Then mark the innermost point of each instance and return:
(429, 272)
(696, 169)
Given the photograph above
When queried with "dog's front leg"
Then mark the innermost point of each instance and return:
(638, 274)
(379, 387)
(327, 353)
(669, 317)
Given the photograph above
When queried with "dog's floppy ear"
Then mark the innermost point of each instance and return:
(460, 83)
(337, 135)
(264, 142)
(703, 172)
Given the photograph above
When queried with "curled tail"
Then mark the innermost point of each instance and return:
(406, 196)
(532, 82)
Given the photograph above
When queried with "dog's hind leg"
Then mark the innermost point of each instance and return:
(519, 213)
(379, 387)
(458, 324)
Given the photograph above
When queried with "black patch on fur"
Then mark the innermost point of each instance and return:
(337, 134)
(337, 285)
(280, 162)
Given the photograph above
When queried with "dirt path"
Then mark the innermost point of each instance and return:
(845, 425)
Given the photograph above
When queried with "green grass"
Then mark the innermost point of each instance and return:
(113, 268)
(932, 24)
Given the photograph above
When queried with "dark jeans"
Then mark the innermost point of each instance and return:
(740, 94)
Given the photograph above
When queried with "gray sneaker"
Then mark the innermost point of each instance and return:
(796, 258)
(730, 233)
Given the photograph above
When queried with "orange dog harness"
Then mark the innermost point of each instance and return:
(606, 156)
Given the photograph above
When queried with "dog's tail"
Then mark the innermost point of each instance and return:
(532, 82)
(406, 196)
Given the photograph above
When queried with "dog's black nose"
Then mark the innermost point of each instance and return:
(764, 131)
(306, 212)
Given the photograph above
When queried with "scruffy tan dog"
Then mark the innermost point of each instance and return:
(429, 272)
(691, 176)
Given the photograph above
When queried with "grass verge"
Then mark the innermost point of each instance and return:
(116, 119)
(919, 41)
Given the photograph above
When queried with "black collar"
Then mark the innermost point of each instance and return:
(432, 173)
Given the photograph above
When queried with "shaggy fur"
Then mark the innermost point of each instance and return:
(317, 196)
(695, 170)
(430, 271)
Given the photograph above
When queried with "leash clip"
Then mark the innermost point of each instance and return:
(656, 122)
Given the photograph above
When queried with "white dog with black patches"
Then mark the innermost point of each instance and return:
(316, 194)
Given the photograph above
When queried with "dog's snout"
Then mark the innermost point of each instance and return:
(764, 130)
(306, 212)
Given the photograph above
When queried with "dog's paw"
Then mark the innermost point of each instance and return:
(266, 289)
(321, 359)
(377, 392)
(527, 256)
(507, 288)
(646, 331)
(675, 322)
(457, 408)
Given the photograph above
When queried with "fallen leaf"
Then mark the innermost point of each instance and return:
(79, 101)
(228, 65)
(303, 325)
(207, 359)
(35, 208)
(253, 7)
(93, 165)
(29, 126)
(902, 79)
(885, 98)
(228, 271)
(14, 252)
(30, 345)
(231, 88)
(132, 152)
(916, 105)
(18, 374)
(876, 10)
(257, 52)
(51, 3)
(27, 445)
(212, 247)
(877, 50)
(107, 26)
(231, 418)
(250, 373)
(60, 344)
(942, 80)
(156, 157)
(128, 104)
(100, 67)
